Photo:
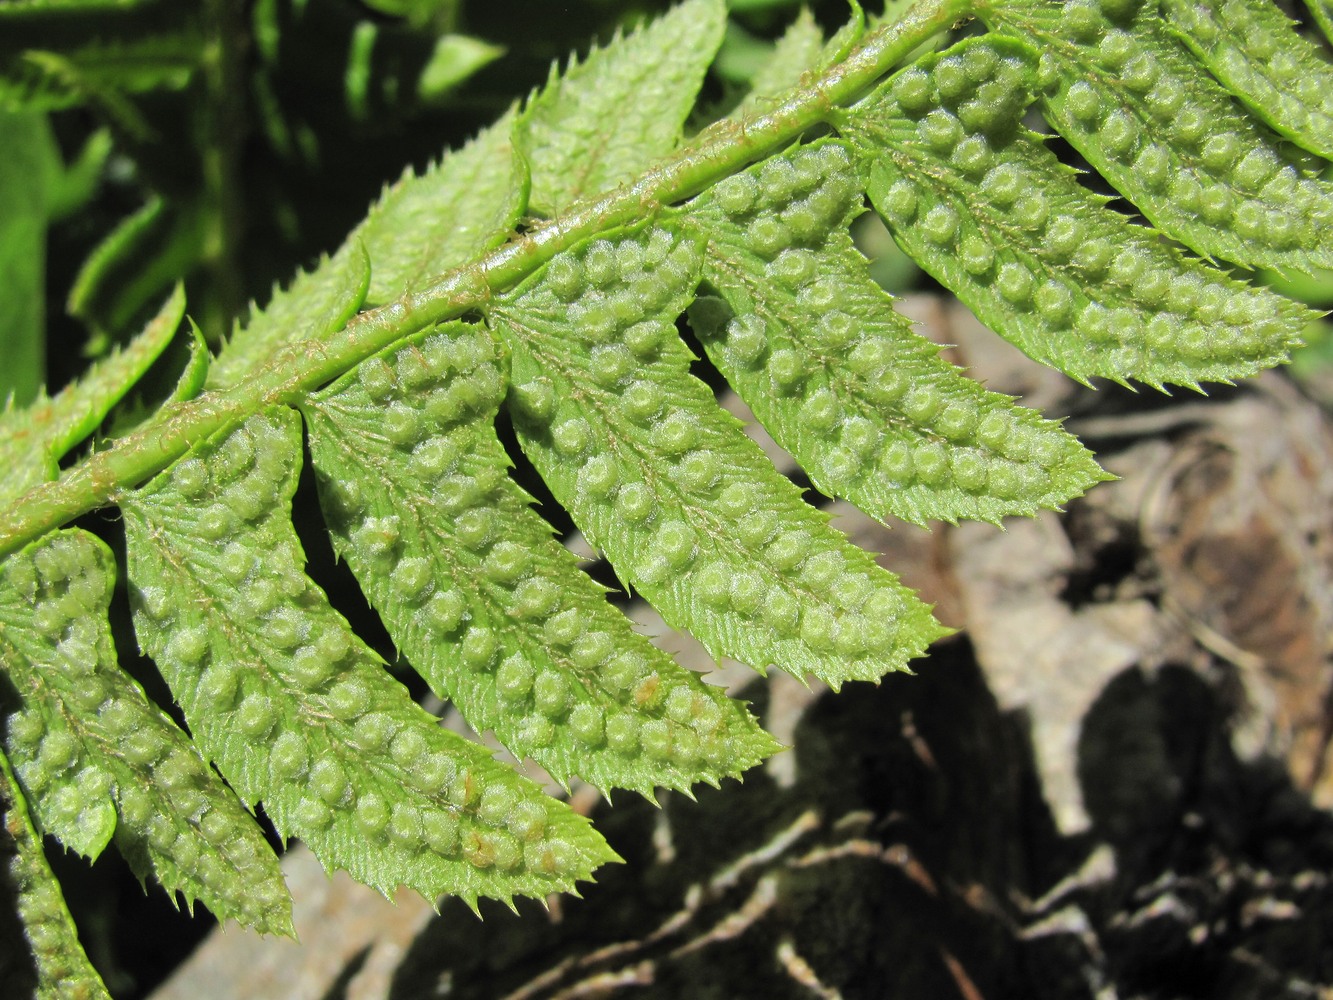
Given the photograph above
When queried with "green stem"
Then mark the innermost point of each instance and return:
(718, 152)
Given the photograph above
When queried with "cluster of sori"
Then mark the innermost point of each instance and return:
(98, 760)
(994, 215)
(687, 508)
(298, 713)
(492, 610)
(1127, 93)
(840, 379)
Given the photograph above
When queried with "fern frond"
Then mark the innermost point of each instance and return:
(539, 274)
(89, 68)
(992, 214)
(1131, 98)
(297, 711)
(114, 285)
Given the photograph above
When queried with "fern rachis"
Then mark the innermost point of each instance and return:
(397, 353)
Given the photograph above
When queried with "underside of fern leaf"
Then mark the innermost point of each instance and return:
(840, 379)
(444, 542)
(542, 275)
(684, 504)
(1126, 92)
(999, 220)
(295, 710)
(60, 968)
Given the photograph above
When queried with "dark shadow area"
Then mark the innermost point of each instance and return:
(338, 989)
(913, 857)
(1222, 888)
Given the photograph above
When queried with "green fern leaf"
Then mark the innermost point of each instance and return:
(491, 610)
(1131, 99)
(866, 406)
(797, 52)
(296, 711)
(34, 438)
(686, 507)
(1252, 48)
(95, 757)
(63, 970)
(316, 304)
(1322, 11)
(424, 225)
(610, 116)
(995, 217)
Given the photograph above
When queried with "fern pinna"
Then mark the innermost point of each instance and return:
(543, 270)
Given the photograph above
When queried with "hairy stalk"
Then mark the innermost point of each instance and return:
(718, 152)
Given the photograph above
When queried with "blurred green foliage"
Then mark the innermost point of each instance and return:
(225, 143)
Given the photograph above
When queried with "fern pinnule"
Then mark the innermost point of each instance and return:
(424, 224)
(798, 51)
(297, 711)
(62, 969)
(97, 758)
(1254, 49)
(487, 606)
(840, 380)
(608, 117)
(459, 207)
(314, 305)
(1128, 96)
(992, 214)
